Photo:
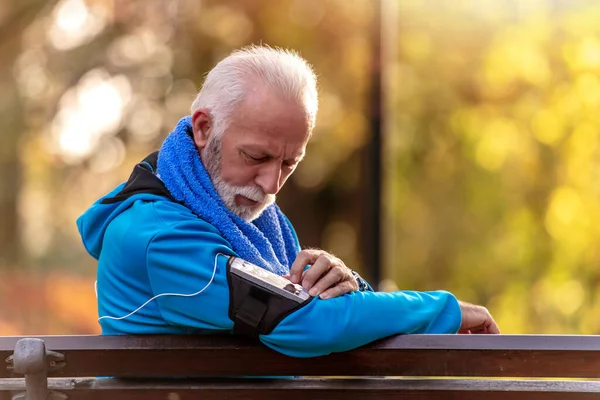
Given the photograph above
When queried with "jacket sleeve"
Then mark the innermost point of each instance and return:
(184, 261)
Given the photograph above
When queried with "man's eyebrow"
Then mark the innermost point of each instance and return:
(266, 153)
(254, 149)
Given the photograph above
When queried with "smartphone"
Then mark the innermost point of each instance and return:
(268, 280)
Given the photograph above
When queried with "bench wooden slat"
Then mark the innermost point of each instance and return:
(303, 389)
(410, 355)
(401, 342)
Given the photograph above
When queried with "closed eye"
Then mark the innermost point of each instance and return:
(255, 159)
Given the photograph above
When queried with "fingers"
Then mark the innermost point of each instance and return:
(477, 320)
(493, 328)
(320, 267)
(489, 327)
(336, 291)
(331, 277)
(303, 258)
(326, 277)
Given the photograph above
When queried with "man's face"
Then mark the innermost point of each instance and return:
(259, 150)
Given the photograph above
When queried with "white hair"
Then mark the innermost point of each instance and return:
(282, 70)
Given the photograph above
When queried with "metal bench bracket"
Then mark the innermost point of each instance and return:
(32, 360)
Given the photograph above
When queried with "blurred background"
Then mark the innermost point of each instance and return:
(456, 146)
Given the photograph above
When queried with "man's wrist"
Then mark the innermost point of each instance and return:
(363, 285)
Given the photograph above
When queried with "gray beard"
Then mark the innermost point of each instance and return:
(212, 162)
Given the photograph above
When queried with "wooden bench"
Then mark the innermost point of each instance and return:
(401, 367)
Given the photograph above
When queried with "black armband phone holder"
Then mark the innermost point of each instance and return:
(260, 299)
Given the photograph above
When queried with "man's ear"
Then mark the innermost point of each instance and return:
(201, 124)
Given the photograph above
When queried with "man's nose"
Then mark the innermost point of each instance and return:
(269, 179)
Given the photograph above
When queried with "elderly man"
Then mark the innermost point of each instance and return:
(165, 240)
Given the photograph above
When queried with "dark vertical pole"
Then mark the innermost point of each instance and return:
(374, 165)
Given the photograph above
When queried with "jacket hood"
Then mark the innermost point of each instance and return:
(142, 184)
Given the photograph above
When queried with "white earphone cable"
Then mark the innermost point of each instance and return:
(163, 294)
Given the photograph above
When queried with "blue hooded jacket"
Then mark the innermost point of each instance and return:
(160, 272)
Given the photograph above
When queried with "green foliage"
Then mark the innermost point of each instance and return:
(495, 142)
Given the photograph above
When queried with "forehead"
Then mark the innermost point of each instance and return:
(271, 122)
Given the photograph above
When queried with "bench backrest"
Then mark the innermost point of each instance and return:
(504, 356)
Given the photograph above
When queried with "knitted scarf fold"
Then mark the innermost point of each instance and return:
(267, 241)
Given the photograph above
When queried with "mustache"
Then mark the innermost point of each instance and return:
(251, 192)
(255, 193)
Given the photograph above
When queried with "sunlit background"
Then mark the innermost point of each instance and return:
(491, 167)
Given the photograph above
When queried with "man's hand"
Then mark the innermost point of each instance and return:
(327, 275)
(476, 319)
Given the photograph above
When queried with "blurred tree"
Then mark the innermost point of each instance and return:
(14, 18)
(489, 197)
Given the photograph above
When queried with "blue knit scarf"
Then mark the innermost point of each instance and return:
(267, 241)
